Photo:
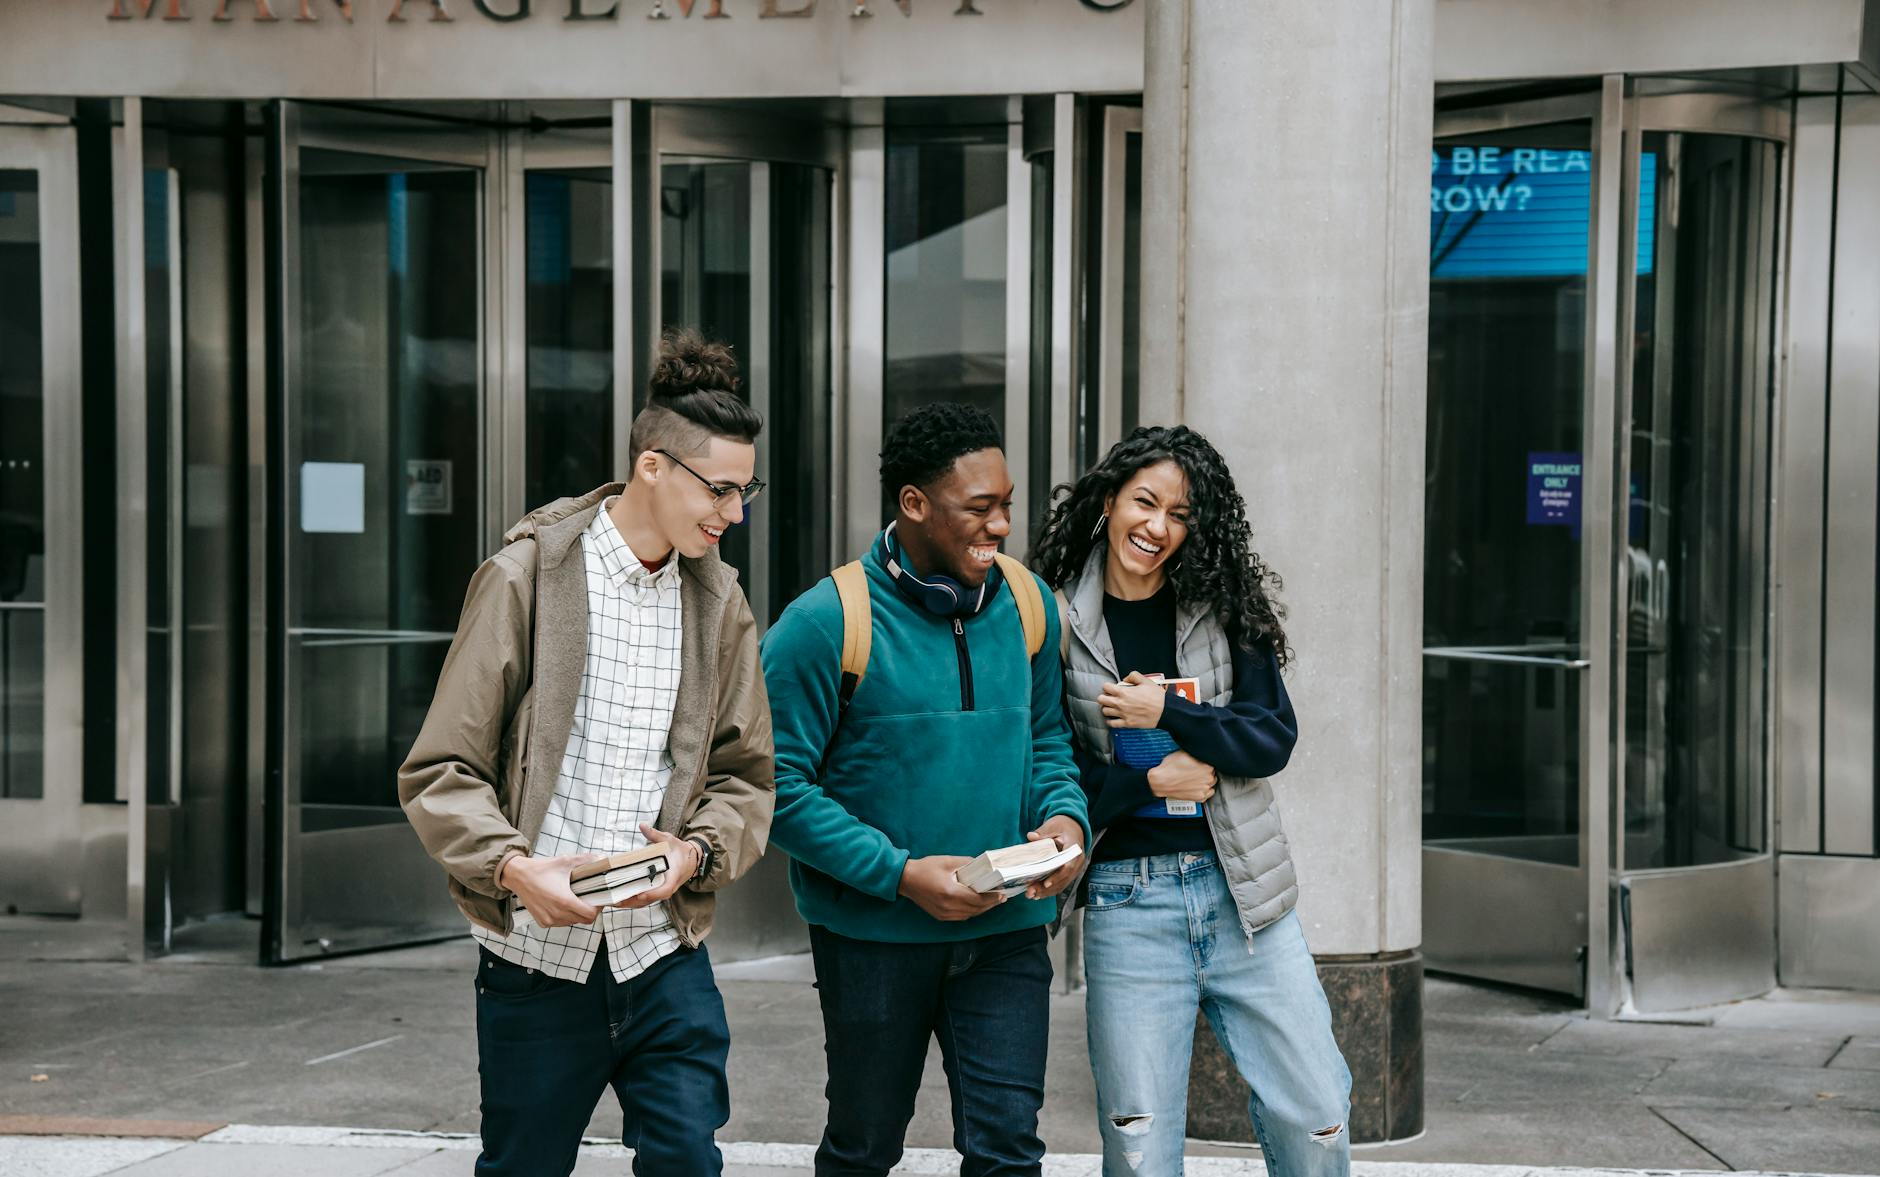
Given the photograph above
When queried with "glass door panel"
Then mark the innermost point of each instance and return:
(744, 255)
(1508, 252)
(946, 282)
(707, 246)
(569, 297)
(383, 525)
(22, 491)
(1510, 226)
(1694, 877)
(1695, 790)
(40, 591)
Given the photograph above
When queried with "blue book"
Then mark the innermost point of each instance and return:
(1146, 747)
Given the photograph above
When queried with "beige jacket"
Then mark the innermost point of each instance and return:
(478, 781)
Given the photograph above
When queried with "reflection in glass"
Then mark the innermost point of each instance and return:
(1132, 282)
(797, 433)
(385, 464)
(1694, 703)
(160, 294)
(22, 492)
(570, 306)
(1509, 227)
(946, 272)
(705, 276)
(1036, 498)
(1501, 759)
(710, 236)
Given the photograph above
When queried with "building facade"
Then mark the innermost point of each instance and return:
(1571, 466)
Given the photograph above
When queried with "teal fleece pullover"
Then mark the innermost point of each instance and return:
(952, 744)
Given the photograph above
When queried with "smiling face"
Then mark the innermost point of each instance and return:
(1148, 525)
(684, 510)
(954, 526)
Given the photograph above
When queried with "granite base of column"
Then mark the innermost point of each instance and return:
(1377, 1017)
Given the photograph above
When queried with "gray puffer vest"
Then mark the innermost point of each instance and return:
(1243, 816)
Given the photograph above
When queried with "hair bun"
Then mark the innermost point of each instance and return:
(688, 363)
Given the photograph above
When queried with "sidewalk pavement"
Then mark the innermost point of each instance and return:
(385, 1043)
(245, 1150)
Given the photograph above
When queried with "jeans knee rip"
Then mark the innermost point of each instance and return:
(1328, 1136)
(1132, 1126)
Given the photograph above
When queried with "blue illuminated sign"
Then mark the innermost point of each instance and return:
(1521, 212)
(1553, 490)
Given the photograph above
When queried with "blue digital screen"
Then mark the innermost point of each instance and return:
(1521, 212)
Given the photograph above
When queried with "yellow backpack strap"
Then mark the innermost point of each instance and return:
(1030, 601)
(858, 629)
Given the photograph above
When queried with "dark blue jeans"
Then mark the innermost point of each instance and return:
(547, 1049)
(988, 1001)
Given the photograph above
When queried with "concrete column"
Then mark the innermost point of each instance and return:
(1286, 289)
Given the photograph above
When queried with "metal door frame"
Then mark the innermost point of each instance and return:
(1119, 122)
(40, 838)
(291, 126)
(1698, 908)
(1586, 884)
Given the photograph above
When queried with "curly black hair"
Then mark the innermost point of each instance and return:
(923, 445)
(1216, 567)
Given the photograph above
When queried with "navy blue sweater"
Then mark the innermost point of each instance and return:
(1252, 736)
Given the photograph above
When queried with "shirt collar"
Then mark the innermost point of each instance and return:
(617, 559)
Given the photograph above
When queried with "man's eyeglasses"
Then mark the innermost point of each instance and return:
(720, 490)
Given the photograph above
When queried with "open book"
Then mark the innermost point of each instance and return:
(1011, 869)
(621, 876)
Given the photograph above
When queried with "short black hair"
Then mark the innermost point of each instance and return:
(922, 446)
(694, 398)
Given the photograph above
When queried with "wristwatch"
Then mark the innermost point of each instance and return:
(704, 858)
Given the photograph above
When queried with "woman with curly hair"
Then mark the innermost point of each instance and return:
(1188, 900)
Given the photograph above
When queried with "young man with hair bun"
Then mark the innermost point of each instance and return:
(951, 743)
(603, 693)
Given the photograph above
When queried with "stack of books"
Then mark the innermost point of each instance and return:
(620, 877)
(1013, 868)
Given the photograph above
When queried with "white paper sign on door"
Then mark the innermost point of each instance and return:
(333, 497)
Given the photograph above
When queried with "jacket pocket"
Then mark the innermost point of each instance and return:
(515, 760)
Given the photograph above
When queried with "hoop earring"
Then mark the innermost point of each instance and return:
(1102, 522)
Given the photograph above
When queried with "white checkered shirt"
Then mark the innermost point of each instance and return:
(614, 773)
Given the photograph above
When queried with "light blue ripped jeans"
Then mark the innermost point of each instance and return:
(1161, 940)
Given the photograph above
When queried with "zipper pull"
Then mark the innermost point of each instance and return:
(959, 631)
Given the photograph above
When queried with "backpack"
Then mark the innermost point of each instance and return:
(858, 618)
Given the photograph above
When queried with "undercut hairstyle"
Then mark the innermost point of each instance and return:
(922, 446)
(1216, 568)
(694, 398)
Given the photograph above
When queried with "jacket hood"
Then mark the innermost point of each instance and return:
(556, 526)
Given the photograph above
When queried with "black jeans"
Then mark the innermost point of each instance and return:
(988, 1000)
(547, 1049)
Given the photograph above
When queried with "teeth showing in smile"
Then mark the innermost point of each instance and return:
(983, 553)
(714, 532)
(1146, 548)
